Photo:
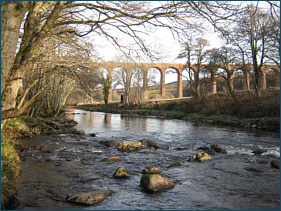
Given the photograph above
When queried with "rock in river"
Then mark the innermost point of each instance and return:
(88, 198)
(154, 182)
(177, 163)
(129, 146)
(151, 170)
(121, 173)
(43, 148)
(155, 143)
(219, 150)
(112, 159)
(201, 156)
(275, 164)
(110, 143)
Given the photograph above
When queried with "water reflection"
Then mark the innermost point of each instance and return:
(124, 127)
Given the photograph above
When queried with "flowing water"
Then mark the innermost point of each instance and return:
(230, 181)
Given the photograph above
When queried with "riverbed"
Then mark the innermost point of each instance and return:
(239, 180)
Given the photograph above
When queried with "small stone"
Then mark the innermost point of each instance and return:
(43, 148)
(275, 164)
(151, 170)
(112, 159)
(110, 143)
(259, 151)
(129, 146)
(211, 152)
(88, 198)
(220, 150)
(203, 156)
(121, 173)
(178, 163)
(93, 134)
(154, 182)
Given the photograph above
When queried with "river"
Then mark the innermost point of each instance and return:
(239, 180)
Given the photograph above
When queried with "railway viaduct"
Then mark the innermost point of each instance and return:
(162, 67)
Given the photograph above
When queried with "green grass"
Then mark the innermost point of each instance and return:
(9, 169)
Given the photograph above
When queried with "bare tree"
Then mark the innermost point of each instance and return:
(227, 59)
(195, 53)
(254, 36)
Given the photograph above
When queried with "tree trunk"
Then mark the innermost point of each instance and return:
(12, 14)
(31, 41)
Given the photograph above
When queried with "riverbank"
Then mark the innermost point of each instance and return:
(249, 112)
(12, 150)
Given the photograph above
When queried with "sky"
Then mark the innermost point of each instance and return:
(167, 45)
(162, 41)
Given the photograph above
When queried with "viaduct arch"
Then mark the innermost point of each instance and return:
(162, 67)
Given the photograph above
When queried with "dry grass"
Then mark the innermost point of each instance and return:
(248, 106)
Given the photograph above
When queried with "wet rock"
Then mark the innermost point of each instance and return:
(110, 143)
(129, 146)
(211, 152)
(112, 159)
(260, 169)
(178, 163)
(155, 182)
(201, 157)
(121, 173)
(93, 134)
(88, 198)
(220, 150)
(151, 170)
(43, 148)
(155, 143)
(275, 164)
(259, 151)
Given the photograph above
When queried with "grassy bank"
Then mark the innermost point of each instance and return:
(9, 169)
(11, 156)
(250, 111)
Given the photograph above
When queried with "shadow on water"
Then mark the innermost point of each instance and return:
(75, 165)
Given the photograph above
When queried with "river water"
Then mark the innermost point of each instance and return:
(237, 180)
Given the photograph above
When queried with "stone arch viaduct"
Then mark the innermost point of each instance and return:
(162, 67)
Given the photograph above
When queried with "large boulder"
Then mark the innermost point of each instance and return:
(151, 170)
(88, 198)
(112, 159)
(129, 146)
(155, 182)
(121, 173)
(155, 143)
(201, 157)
